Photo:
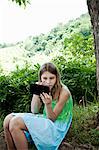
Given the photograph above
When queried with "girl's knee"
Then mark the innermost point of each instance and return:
(7, 121)
(14, 124)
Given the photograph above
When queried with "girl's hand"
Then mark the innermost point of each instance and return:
(47, 99)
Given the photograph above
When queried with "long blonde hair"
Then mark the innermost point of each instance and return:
(50, 67)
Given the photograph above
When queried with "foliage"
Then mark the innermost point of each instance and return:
(3, 45)
(78, 77)
(77, 65)
(15, 90)
(53, 41)
(83, 129)
(21, 2)
(79, 44)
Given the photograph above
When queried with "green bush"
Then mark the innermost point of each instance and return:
(77, 65)
(79, 77)
(15, 90)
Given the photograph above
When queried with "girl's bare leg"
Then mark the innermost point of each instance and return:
(8, 137)
(16, 128)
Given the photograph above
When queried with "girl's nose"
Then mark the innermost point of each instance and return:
(48, 81)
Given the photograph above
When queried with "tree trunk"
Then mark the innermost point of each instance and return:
(93, 8)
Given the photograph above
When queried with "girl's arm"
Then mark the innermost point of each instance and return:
(35, 104)
(53, 114)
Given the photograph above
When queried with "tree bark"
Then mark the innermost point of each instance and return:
(93, 8)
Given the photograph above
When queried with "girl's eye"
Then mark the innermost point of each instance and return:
(52, 78)
(44, 78)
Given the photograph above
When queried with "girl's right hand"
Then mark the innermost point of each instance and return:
(47, 99)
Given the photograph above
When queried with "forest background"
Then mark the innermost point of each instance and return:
(70, 47)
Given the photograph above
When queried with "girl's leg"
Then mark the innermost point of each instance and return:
(8, 137)
(17, 128)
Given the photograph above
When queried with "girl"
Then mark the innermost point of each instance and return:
(47, 130)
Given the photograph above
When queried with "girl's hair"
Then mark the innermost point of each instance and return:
(50, 67)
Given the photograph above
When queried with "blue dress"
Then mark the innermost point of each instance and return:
(46, 134)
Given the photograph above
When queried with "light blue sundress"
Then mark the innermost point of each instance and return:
(46, 134)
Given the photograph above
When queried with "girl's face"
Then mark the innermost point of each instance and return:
(48, 79)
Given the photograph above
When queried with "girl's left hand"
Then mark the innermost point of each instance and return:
(47, 99)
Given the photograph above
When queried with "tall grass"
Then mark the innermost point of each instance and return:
(84, 125)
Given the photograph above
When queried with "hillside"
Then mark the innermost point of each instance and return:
(44, 47)
(12, 56)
